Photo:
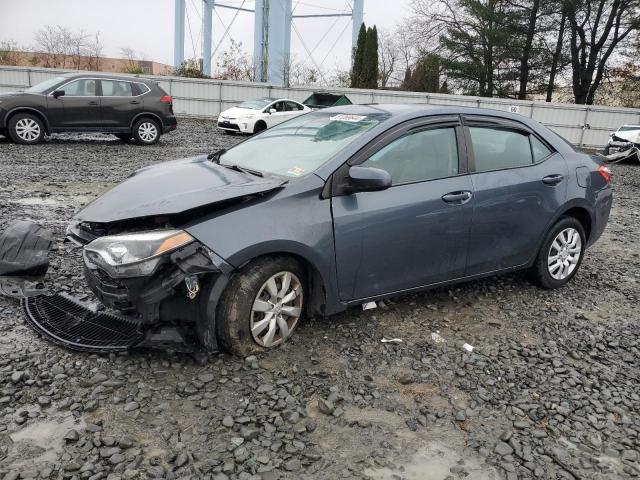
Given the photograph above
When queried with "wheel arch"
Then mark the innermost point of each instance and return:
(146, 114)
(581, 214)
(322, 294)
(260, 122)
(29, 110)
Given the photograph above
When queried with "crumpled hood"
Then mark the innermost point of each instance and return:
(174, 187)
(237, 112)
(629, 135)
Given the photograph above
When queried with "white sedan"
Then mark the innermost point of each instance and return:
(253, 116)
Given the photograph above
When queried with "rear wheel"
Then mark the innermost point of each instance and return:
(146, 131)
(26, 129)
(261, 306)
(560, 255)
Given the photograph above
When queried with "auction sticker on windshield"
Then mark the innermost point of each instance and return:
(343, 117)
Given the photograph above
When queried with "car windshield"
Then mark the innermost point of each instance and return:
(256, 104)
(299, 146)
(628, 128)
(46, 85)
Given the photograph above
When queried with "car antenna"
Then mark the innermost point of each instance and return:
(215, 156)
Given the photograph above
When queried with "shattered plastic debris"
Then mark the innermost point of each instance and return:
(391, 340)
(369, 306)
(437, 338)
(467, 347)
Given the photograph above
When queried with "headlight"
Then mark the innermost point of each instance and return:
(138, 250)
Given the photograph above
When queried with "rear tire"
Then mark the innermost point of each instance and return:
(26, 129)
(146, 131)
(560, 255)
(249, 318)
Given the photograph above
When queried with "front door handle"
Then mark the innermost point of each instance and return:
(457, 197)
(552, 179)
(93, 102)
(134, 102)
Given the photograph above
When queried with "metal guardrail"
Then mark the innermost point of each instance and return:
(585, 126)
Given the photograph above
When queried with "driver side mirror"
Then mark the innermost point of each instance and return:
(58, 93)
(272, 110)
(368, 179)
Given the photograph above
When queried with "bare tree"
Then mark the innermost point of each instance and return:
(235, 63)
(597, 29)
(131, 57)
(94, 53)
(388, 56)
(9, 52)
(301, 74)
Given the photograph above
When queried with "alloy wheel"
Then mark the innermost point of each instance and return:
(147, 132)
(27, 129)
(564, 253)
(276, 309)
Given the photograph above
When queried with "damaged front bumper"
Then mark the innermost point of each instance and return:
(170, 301)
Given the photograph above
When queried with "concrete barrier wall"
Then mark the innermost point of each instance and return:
(587, 126)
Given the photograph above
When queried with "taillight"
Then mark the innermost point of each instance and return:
(606, 173)
(166, 99)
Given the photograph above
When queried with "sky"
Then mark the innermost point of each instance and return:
(147, 26)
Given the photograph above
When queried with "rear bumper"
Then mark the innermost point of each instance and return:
(170, 124)
(603, 203)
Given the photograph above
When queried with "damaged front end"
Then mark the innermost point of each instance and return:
(154, 288)
(163, 278)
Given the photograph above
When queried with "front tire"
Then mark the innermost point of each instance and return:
(259, 127)
(262, 305)
(146, 131)
(26, 129)
(561, 254)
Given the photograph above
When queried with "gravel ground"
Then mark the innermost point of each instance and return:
(551, 390)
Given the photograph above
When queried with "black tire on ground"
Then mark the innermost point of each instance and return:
(125, 137)
(146, 131)
(229, 132)
(259, 126)
(233, 317)
(607, 150)
(539, 272)
(26, 129)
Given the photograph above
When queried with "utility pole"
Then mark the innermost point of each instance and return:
(178, 38)
(207, 33)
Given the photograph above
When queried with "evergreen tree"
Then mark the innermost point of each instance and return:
(370, 63)
(426, 75)
(358, 58)
(407, 80)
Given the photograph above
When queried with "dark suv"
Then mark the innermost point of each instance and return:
(125, 106)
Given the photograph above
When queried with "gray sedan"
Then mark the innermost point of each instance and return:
(336, 208)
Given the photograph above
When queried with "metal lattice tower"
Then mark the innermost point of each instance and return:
(273, 20)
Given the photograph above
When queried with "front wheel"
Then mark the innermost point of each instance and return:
(560, 255)
(26, 129)
(262, 305)
(146, 131)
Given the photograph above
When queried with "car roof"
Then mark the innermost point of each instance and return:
(106, 76)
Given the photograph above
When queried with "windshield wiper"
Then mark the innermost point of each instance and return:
(215, 156)
(238, 168)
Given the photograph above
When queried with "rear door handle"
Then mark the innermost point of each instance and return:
(457, 197)
(134, 102)
(552, 179)
(93, 102)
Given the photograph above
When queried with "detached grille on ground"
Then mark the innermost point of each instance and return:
(68, 322)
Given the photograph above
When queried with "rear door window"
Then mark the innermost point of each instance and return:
(116, 88)
(498, 148)
(293, 106)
